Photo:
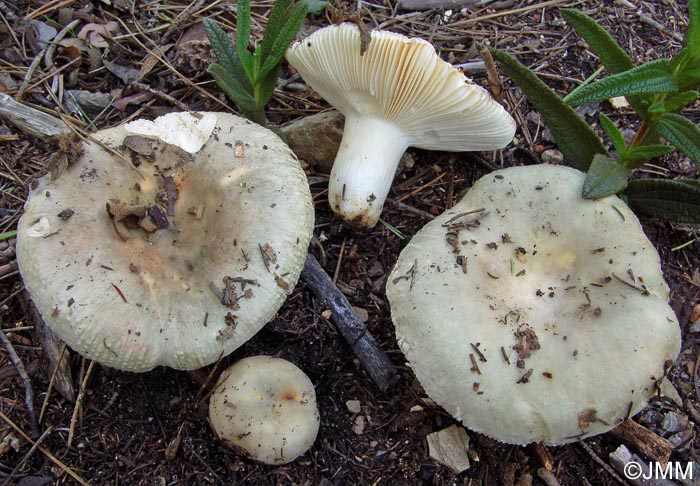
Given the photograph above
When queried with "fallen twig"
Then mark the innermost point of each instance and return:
(29, 392)
(373, 359)
(29, 454)
(51, 457)
(79, 403)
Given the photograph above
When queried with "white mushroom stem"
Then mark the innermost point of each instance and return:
(364, 168)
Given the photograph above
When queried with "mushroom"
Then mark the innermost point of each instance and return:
(177, 259)
(265, 408)
(531, 314)
(395, 93)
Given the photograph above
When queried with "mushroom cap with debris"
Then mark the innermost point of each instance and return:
(531, 314)
(395, 93)
(265, 407)
(173, 253)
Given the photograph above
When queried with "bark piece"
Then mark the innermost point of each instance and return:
(32, 121)
(650, 445)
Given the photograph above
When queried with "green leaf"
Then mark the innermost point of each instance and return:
(278, 17)
(243, 37)
(674, 200)
(676, 102)
(614, 135)
(575, 138)
(686, 67)
(266, 86)
(639, 155)
(226, 55)
(681, 133)
(691, 40)
(605, 177)
(650, 78)
(611, 55)
(234, 89)
(315, 6)
(284, 36)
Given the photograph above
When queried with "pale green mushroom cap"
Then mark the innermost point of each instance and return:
(531, 314)
(265, 408)
(134, 299)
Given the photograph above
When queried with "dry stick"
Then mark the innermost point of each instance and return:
(373, 359)
(78, 403)
(51, 457)
(28, 455)
(51, 382)
(8, 268)
(601, 462)
(410, 209)
(29, 392)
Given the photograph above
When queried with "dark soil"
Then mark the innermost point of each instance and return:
(151, 428)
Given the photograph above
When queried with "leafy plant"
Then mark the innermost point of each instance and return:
(249, 78)
(657, 91)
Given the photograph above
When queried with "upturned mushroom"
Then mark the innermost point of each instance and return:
(395, 93)
(265, 408)
(169, 242)
(531, 314)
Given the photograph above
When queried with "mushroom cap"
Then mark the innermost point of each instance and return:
(403, 81)
(531, 314)
(265, 407)
(183, 295)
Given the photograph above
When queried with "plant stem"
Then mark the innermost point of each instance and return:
(585, 82)
(8, 235)
(639, 136)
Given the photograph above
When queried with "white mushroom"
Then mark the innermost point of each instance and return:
(531, 314)
(396, 94)
(177, 261)
(265, 408)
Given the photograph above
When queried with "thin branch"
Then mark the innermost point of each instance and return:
(29, 392)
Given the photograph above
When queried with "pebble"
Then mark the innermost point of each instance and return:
(552, 156)
(449, 447)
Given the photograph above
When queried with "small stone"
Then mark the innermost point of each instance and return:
(359, 426)
(552, 156)
(695, 314)
(353, 406)
(361, 313)
(449, 447)
(619, 102)
(326, 314)
(674, 422)
(316, 138)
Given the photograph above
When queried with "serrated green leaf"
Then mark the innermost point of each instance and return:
(673, 200)
(676, 102)
(575, 138)
(611, 55)
(691, 39)
(243, 37)
(315, 6)
(295, 18)
(681, 133)
(605, 177)
(650, 78)
(614, 135)
(278, 17)
(226, 55)
(266, 86)
(639, 155)
(234, 89)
